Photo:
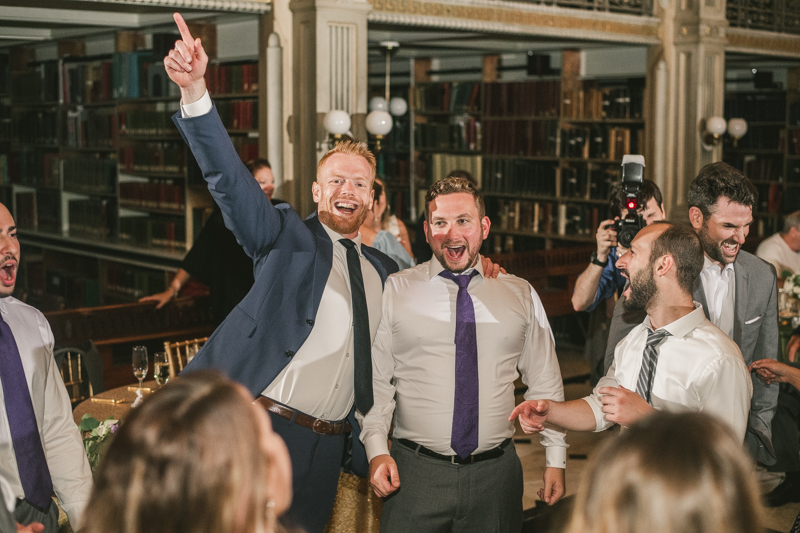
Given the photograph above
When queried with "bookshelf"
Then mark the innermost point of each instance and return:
(768, 154)
(546, 150)
(105, 192)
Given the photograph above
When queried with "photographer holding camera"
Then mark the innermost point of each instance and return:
(602, 279)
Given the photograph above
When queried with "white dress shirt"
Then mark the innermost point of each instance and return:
(719, 285)
(775, 250)
(63, 446)
(319, 379)
(699, 368)
(413, 359)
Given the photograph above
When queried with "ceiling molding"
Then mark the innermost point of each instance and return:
(256, 7)
(547, 21)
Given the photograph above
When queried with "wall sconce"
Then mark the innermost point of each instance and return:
(337, 123)
(715, 127)
(379, 124)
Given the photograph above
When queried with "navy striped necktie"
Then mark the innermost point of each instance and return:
(644, 385)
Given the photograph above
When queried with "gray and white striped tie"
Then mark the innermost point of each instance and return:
(649, 361)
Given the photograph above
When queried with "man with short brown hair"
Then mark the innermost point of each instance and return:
(449, 347)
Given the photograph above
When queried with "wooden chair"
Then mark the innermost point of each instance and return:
(81, 369)
(179, 353)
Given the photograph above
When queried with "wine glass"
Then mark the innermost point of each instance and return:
(140, 363)
(160, 367)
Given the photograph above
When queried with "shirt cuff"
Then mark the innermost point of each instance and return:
(555, 456)
(376, 445)
(198, 108)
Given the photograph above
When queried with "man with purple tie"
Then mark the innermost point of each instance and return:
(450, 344)
(40, 445)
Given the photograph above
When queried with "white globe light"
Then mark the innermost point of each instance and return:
(337, 122)
(398, 106)
(378, 103)
(379, 123)
(715, 125)
(737, 127)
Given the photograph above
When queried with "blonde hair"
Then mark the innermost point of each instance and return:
(189, 458)
(350, 148)
(670, 473)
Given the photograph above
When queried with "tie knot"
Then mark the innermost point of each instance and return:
(655, 337)
(462, 281)
(347, 243)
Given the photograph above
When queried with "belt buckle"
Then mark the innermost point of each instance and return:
(317, 426)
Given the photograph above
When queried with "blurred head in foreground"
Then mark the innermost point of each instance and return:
(195, 456)
(670, 473)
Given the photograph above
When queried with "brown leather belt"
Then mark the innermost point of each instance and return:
(317, 425)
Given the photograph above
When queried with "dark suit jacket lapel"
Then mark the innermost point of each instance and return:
(740, 304)
(699, 295)
(323, 260)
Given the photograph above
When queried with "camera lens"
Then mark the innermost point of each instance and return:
(626, 235)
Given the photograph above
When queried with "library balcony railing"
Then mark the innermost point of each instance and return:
(633, 7)
(781, 16)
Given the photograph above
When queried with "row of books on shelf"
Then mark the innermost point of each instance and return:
(770, 198)
(393, 168)
(588, 181)
(89, 175)
(440, 165)
(597, 103)
(167, 233)
(35, 126)
(602, 142)
(33, 168)
(90, 128)
(151, 195)
(87, 83)
(133, 282)
(519, 176)
(794, 114)
(794, 141)
(759, 138)
(449, 97)
(156, 157)
(48, 211)
(462, 133)
(759, 167)
(37, 84)
(755, 107)
(547, 218)
(150, 119)
(238, 114)
(532, 138)
(522, 99)
(232, 79)
(91, 218)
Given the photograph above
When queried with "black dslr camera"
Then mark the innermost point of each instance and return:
(632, 175)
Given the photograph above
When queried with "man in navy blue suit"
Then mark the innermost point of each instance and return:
(297, 338)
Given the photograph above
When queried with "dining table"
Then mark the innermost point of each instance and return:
(113, 403)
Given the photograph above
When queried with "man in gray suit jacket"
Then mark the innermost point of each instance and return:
(737, 290)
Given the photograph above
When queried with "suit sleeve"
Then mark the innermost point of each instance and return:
(245, 208)
(758, 440)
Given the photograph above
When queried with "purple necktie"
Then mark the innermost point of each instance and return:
(464, 436)
(31, 463)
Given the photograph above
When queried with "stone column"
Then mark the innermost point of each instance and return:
(329, 72)
(686, 75)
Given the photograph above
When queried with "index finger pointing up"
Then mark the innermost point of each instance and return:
(186, 35)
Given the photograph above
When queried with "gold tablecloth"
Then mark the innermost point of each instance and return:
(102, 410)
(357, 508)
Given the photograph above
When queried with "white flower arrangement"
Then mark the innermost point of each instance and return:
(791, 286)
